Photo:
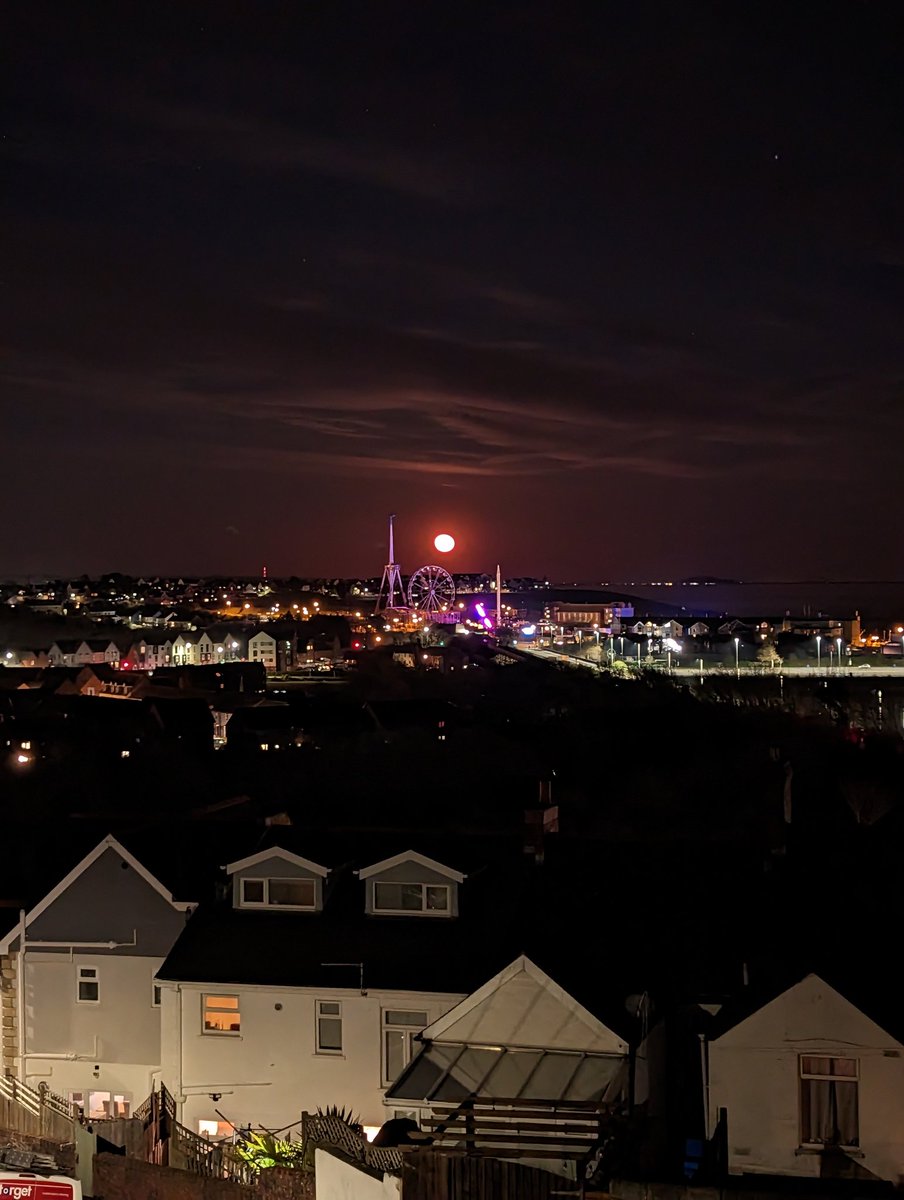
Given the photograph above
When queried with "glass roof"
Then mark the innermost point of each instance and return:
(453, 1071)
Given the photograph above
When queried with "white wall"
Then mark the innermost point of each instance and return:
(339, 1180)
(271, 1072)
(120, 1035)
(754, 1074)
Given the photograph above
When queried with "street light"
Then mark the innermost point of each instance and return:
(701, 670)
(838, 660)
(818, 652)
(737, 657)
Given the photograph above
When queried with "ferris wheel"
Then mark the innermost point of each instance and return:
(431, 590)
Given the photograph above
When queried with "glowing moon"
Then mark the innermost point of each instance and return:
(444, 542)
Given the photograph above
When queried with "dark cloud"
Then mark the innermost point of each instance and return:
(623, 280)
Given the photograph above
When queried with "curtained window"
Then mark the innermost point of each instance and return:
(829, 1110)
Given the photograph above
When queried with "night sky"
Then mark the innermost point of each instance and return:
(610, 291)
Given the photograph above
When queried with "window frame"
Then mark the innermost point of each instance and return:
(93, 978)
(82, 1098)
(206, 1007)
(411, 1029)
(423, 911)
(156, 994)
(818, 1077)
(320, 1015)
(266, 880)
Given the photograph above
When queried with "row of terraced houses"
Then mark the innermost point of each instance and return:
(276, 649)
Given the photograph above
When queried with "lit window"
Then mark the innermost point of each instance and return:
(88, 985)
(829, 1103)
(399, 1031)
(221, 1014)
(100, 1106)
(278, 893)
(329, 1027)
(411, 897)
(215, 1129)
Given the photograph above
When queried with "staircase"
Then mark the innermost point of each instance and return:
(37, 1113)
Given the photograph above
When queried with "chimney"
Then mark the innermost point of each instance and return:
(539, 822)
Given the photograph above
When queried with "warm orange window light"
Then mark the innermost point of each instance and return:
(221, 1014)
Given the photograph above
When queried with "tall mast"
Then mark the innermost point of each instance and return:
(391, 593)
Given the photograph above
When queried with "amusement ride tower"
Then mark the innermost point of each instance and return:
(391, 593)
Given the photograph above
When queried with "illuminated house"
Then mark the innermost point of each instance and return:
(77, 653)
(81, 1010)
(262, 649)
(306, 987)
(807, 1084)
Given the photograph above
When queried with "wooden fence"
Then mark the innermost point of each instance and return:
(169, 1144)
(437, 1175)
(317, 1129)
(38, 1113)
(566, 1129)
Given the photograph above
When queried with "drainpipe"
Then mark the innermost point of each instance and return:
(179, 1095)
(20, 996)
(85, 945)
(67, 1055)
(704, 1077)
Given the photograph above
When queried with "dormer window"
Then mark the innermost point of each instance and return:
(277, 880)
(278, 893)
(410, 884)
(411, 897)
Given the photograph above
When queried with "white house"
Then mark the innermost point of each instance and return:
(81, 1009)
(154, 651)
(73, 653)
(262, 648)
(302, 990)
(808, 1082)
(186, 650)
(207, 649)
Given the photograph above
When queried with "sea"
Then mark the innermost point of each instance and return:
(879, 602)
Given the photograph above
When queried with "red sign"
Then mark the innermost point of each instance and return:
(33, 1188)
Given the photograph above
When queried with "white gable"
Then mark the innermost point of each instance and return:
(810, 1015)
(522, 1006)
(277, 852)
(410, 856)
